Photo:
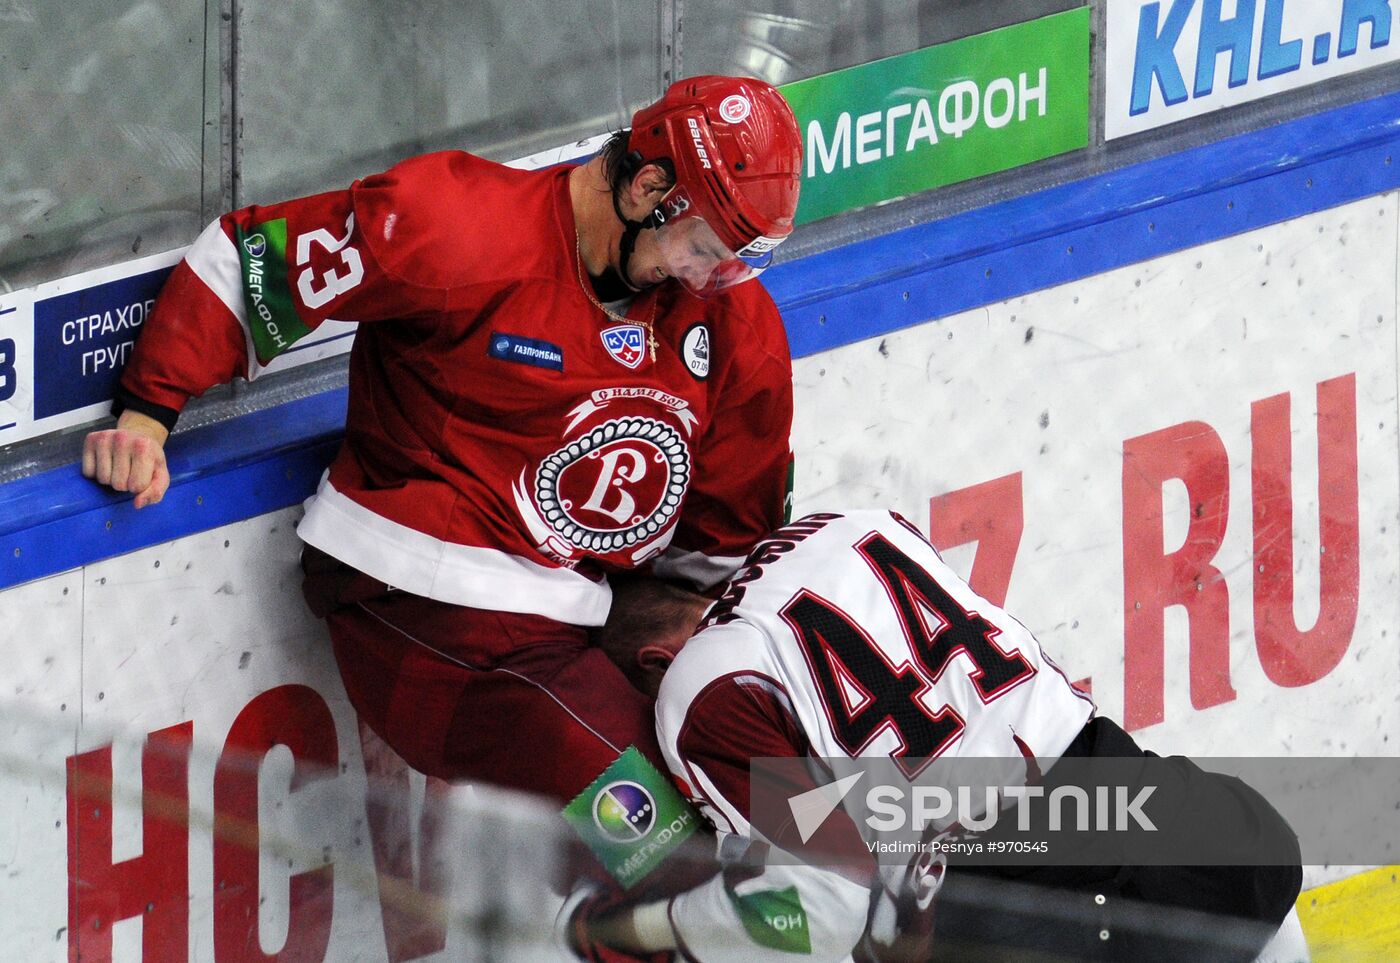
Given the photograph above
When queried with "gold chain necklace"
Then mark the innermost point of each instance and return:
(646, 325)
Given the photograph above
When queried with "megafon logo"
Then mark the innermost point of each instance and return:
(255, 245)
(624, 812)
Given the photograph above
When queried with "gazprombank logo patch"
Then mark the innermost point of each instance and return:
(521, 350)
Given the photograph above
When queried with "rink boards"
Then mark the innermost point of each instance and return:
(1176, 460)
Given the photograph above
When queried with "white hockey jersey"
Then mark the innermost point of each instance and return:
(846, 635)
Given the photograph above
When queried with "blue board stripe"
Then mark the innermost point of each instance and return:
(1077, 230)
(224, 473)
(269, 460)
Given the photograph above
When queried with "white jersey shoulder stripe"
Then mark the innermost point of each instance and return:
(214, 260)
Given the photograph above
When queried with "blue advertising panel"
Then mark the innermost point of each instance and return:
(82, 339)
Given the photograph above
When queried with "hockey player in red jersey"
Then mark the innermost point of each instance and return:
(846, 636)
(557, 374)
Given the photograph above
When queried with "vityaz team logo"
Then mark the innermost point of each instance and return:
(616, 488)
(624, 811)
(626, 343)
(735, 108)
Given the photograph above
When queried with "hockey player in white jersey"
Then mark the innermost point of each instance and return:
(846, 635)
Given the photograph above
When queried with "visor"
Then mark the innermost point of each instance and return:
(692, 252)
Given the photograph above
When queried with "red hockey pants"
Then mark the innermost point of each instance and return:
(464, 694)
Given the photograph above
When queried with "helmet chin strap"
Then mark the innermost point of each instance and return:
(628, 243)
(613, 284)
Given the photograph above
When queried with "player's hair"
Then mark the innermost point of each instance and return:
(647, 614)
(619, 163)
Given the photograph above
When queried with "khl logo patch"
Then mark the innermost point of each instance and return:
(626, 343)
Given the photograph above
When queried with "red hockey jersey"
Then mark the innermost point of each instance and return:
(508, 440)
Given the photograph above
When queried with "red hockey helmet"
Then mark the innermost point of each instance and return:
(737, 154)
